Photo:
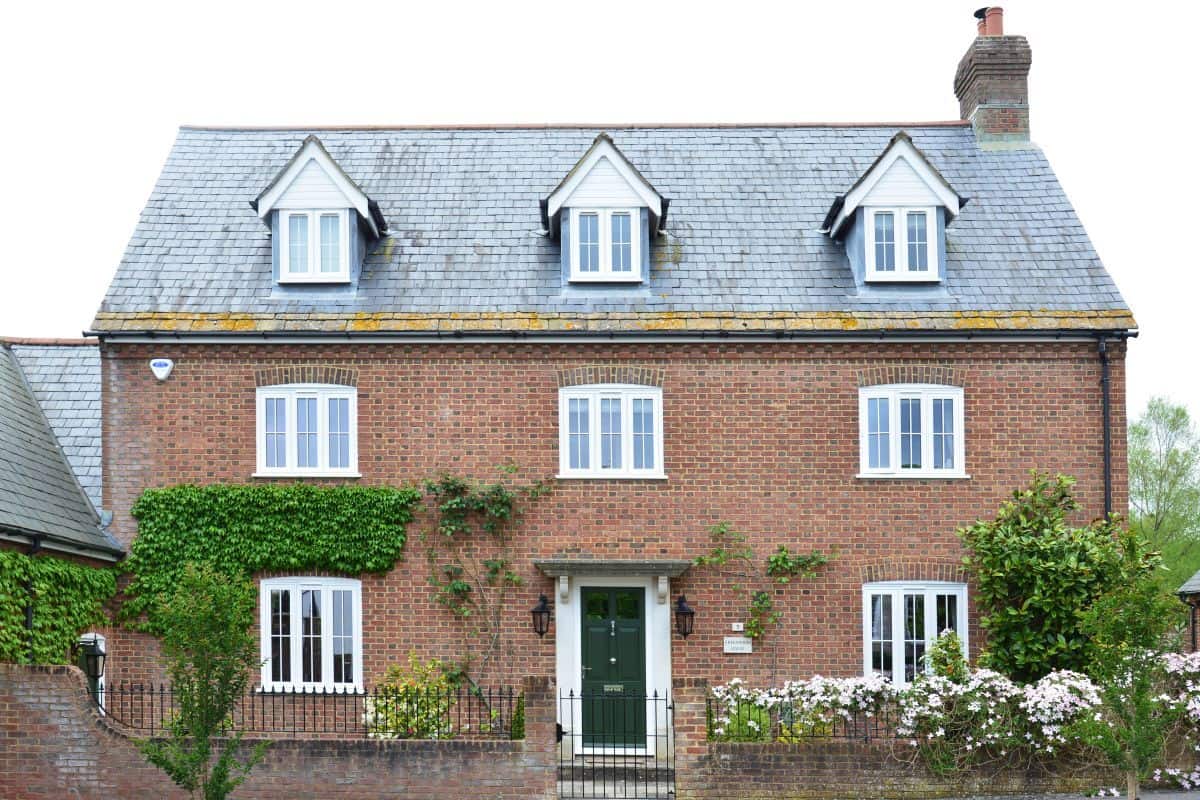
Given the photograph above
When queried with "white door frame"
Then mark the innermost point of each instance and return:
(569, 651)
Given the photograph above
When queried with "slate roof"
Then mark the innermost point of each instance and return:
(1191, 586)
(66, 383)
(743, 247)
(38, 492)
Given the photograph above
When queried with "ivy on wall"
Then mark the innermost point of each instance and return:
(470, 556)
(243, 529)
(67, 599)
(732, 553)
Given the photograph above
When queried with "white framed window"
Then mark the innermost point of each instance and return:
(911, 430)
(606, 244)
(610, 431)
(901, 244)
(307, 430)
(901, 620)
(314, 246)
(311, 634)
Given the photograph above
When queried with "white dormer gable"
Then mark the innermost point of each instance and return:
(901, 176)
(604, 178)
(313, 180)
(901, 185)
(313, 187)
(605, 186)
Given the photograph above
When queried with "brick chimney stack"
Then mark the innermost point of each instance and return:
(992, 83)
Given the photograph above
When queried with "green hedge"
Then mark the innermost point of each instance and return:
(67, 599)
(243, 529)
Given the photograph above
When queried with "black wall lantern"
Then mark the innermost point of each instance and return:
(91, 654)
(685, 617)
(541, 616)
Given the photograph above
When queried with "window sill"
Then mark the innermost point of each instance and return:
(606, 278)
(903, 277)
(614, 476)
(922, 476)
(291, 474)
(315, 279)
(309, 691)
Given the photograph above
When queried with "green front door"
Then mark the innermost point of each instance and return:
(614, 667)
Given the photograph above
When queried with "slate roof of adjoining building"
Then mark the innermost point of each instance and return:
(742, 250)
(65, 377)
(39, 494)
(1191, 585)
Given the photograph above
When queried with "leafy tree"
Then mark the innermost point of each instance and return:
(1036, 574)
(210, 650)
(1164, 487)
(1130, 627)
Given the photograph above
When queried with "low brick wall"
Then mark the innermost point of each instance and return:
(53, 744)
(833, 770)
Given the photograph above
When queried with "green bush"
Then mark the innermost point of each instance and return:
(747, 723)
(412, 703)
(946, 657)
(1035, 574)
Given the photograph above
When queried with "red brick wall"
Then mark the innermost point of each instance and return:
(52, 744)
(762, 435)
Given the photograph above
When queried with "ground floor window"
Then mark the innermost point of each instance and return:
(311, 634)
(901, 620)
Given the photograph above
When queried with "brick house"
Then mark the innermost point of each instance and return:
(846, 338)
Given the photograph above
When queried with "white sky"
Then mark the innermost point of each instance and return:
(93, 93)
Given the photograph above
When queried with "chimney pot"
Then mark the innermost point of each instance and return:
(994, 21)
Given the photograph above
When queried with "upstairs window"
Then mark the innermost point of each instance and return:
(610, 431)
(606, 245)
(308, 430)
(911, 431)
(901, 622)
(311, 634)
(898, 244)
(314, 246)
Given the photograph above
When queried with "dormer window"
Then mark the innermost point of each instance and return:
(314, 246)
(606, 248)
(893, 219)
(897, 247)
(322, 222)
(604, 214)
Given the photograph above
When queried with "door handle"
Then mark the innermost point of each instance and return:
(612, 661)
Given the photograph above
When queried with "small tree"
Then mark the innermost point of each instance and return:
(1129, 627)
(1164, 486)
(210, 651)
(1035, 574)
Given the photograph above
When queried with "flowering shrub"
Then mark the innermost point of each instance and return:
(1054, 702)
(953, 724)
(950, 724)
(804, 708)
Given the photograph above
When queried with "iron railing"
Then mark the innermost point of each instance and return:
(381, 713)
(616, 745)
(732, 721)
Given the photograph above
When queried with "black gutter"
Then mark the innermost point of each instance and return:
(1106, 413)
(467, 335)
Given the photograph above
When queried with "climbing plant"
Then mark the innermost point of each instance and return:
(732, 554)
(469, 552)
(240, 530)
(67, 599)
